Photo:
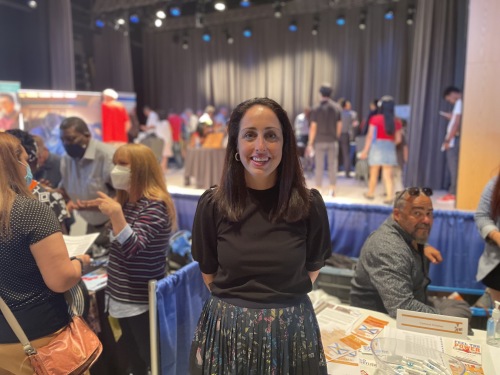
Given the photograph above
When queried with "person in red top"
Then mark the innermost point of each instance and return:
(176, 124)
(115, 120)
(384, 133)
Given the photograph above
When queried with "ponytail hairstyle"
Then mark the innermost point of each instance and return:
(386, 108)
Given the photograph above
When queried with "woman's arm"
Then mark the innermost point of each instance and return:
(313, 275)
(486, 225)
(208, 279)
(58, 271)
(398, 137)
(368, 142)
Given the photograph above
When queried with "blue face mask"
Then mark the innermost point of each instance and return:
(29, 175)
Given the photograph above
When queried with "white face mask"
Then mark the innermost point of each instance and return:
(120, 177)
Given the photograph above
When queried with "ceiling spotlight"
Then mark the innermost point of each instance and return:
(245, 3)
(277, 10)
(409, 17)
(185, 44)
(161, 14)
(389, 15)
(315, 30)
(206, 37)
(175, 11)
(247, 32)
(158, 22)
(220, 5)
(120, 21)
(362, 21)
(134, 18)
(32, 4)
(229, 38)
(293, 26)
(100, 23)
(340, 20)
(199, 21)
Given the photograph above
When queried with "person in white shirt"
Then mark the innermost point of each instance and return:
(450, 144)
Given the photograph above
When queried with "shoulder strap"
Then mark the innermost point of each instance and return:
(14, 324)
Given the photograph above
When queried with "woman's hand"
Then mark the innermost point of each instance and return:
(363, 155)
(107, 205)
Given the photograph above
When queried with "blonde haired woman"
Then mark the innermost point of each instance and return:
(143, 218)
(35, 268)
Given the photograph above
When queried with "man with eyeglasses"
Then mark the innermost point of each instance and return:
(392, 271)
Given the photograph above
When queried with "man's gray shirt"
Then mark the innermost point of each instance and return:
(83, 178)
(390, 273)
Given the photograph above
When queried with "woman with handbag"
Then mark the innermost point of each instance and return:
(143, 218)
(35, 269)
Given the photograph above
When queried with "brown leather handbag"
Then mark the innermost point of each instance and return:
(72, 351)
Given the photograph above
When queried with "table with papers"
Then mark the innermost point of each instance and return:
(346, 333)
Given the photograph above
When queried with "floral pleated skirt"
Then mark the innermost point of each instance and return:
(233, 340)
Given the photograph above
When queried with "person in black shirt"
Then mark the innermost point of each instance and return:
(260, 238)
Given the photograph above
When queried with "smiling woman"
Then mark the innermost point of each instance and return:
(260, 239)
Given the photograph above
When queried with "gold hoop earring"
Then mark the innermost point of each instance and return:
(237, 157)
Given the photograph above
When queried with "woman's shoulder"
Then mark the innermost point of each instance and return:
(31, 206)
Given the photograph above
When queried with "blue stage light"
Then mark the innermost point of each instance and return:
(245, 3)
(389, 15)
(100, 23)
(134, 18)
(175, 11)
(206, 37)
(293, 27)
(340, 20)
(247, 33)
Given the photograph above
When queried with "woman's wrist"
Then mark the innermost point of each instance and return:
(80, 261)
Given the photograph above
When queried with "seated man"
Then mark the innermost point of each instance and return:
(392, 271)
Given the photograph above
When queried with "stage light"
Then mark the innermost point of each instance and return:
(245, 3)
(220, 5)
(277, 10)
(409, 17)
(134, 18)
(362, 21)
(161, 14)
(185, 44)
(206, 37)
(293, 26)
(389, 15)
(32, 4)
(229, 38)
(315, 30)
(199, 21)
(247, 32)
(175, 11)
(340, 20)
(120, 21)
(158, 22)
(100, 23)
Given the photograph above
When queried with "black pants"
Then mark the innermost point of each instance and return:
(345, 151)
(135, 338)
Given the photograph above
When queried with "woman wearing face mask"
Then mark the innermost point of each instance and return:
(35, 269)
(143, 218)
(260, 238)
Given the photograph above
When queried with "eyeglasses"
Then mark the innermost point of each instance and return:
(414, 192)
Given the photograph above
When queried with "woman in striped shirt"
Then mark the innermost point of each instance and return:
(143, 218)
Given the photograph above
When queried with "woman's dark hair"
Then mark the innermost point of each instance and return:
(293, 198)
(386, 105)
(495, 200)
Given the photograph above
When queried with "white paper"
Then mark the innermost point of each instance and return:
(78, 245)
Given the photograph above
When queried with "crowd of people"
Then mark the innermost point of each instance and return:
(260, 237)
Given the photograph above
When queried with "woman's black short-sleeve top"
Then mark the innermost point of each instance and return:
(259, 263)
